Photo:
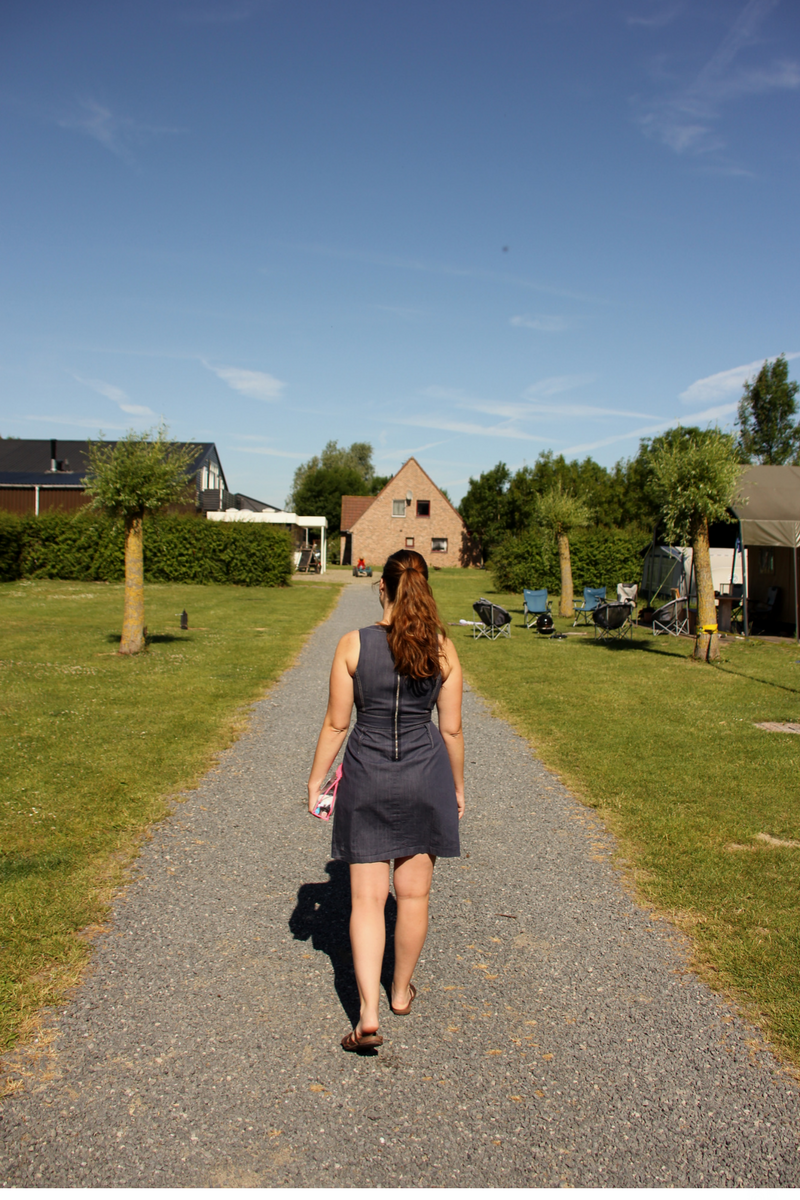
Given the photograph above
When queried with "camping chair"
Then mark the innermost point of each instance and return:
(534, 603)
(591, 598)
(763, 615)
(672, 617)
(305, 561)
(612, 621)
(629, 592)
(494, 621)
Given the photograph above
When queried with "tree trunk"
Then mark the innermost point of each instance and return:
(706, 645)
(133, 618)
(566, 607)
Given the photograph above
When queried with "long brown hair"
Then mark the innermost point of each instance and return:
(413, 635)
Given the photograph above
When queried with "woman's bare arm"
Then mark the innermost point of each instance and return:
(449, 707)
(337, 718)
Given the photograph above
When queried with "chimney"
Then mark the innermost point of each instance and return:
(53, 464)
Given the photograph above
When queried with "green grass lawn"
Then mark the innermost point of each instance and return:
(92, 744)
(667, 750)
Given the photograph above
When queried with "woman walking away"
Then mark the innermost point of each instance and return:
(401, 795)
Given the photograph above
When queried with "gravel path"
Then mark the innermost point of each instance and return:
(557, 1038)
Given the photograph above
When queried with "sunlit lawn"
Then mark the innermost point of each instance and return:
(668, 750)
(92, 743)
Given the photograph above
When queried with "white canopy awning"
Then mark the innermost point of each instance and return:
(279, 518)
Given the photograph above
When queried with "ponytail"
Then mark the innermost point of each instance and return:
(413, 635)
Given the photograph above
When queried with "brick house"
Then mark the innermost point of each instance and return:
(409, 513)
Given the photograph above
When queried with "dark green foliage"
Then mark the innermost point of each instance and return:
(485, 507)
(176, 550)
(10, 547)
(320, 494)
(599, 557)
(768, 428)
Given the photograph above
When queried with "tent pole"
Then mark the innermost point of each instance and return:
(744, 582)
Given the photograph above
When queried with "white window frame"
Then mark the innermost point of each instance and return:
(439, 549)
(398, 508)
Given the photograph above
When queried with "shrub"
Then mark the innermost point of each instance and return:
(10, 547)
(599, 557)
(85, 546)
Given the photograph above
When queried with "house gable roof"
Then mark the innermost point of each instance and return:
(393, 483)
(354, 507)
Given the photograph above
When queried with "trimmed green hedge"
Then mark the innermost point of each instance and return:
(598, 556)
(176, 550)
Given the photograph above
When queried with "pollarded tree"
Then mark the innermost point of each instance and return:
(694, 478)
(141, 473)
(769, 431)
(556, 514)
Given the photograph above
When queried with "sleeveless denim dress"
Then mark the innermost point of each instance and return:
(396, 795)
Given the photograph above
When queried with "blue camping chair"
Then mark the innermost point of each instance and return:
(534, 603)
(591, 598)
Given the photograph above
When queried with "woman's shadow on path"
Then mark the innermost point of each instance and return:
(322, 914)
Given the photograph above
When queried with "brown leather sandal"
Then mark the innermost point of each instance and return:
(403, 1012)
(358, 1041)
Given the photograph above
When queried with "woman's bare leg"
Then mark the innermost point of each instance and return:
(412, 887)
(369, 890)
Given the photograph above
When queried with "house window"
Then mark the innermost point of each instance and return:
(398, 508)
(409, 543)
(423, 508)
(766, 561)
(438, 545)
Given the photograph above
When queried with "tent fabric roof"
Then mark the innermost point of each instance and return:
(769, 506)
(353, 507)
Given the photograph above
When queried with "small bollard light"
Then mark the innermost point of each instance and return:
(184, 620)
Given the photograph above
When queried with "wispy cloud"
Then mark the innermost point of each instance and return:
(686, 121)
(293, 454)
(258, 385)
(555, 384)
(404, 454)
(118, 134)
(657, 17)
(112, 392)
(713, 387)
(435, 268)
(698, 418)
(543, 323)
(76, 422)
(505, 430)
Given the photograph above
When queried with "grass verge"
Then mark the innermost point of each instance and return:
(667, 750)
(92, 744)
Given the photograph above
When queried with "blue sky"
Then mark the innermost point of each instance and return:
(470, 230)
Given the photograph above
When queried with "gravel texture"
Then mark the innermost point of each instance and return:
(557, 1039)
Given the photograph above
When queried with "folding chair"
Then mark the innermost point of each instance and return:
(612, 621)
(591, 598)
(305, 561)
(628, 591)
(672, 618)
(534, 603)
(494, 621)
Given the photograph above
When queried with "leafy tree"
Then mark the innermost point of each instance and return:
(484, 507)
(356, 458)
(556, 514)
(693, 478)
(320, 495)
(768, 429)
(141, 473)
(378, 483)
